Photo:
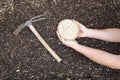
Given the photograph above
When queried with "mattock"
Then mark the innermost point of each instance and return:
(29, 24)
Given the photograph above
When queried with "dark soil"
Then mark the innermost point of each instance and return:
(23, 57)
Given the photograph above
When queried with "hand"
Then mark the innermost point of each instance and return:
(83, 29)
(69, 43)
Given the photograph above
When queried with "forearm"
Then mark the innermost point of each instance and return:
(99, 56)
(112, 35)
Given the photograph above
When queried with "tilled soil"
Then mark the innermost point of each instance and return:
(23, 57)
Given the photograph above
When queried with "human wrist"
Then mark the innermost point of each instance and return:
(75, 46)
(89, 33)
(86, 33)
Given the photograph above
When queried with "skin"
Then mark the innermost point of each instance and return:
(98, 56)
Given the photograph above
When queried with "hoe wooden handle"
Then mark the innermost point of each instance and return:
(44, 43)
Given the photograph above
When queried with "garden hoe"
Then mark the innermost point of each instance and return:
(29, 24)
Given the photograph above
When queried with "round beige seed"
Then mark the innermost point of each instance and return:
(68, 29)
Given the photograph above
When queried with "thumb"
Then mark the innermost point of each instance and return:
(76, 22)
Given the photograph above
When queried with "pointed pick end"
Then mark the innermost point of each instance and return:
(16, 32)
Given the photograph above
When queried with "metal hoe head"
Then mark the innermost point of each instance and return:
(33, 19)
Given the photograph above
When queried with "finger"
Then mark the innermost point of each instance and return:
(79, 24)
(61, 39)
(76, 22)
(58, 34)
